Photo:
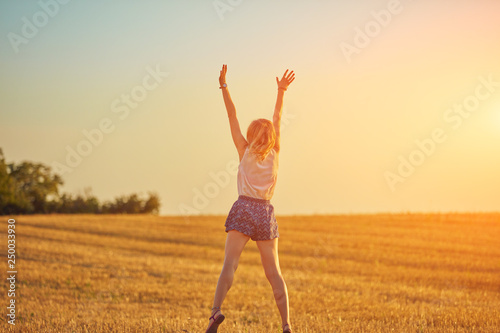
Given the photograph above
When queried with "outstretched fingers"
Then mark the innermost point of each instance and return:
(284, 75)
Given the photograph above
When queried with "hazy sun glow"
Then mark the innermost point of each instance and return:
(145, 75)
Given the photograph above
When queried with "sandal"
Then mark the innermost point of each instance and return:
(288, 329)
(217, 321)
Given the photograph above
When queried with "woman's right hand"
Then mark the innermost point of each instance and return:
(222, 77)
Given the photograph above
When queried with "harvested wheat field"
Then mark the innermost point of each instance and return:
(349, 273)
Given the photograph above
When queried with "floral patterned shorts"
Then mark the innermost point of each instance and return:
(253, 217)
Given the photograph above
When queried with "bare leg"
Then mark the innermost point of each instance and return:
(235, 242)
(269, 257)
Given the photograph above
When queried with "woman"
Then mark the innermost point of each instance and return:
(252, 215)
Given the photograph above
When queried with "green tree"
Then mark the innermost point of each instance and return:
(33, 188)
(152, 205)
(81, 204)
(37, 184)
(12, 200)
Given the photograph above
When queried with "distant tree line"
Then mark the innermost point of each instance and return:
(32, 188)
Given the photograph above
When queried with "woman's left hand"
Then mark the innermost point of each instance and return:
(222, 77)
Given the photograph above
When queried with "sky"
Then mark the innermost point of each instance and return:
(395, 106)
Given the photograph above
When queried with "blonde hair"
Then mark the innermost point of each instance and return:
(261, 138)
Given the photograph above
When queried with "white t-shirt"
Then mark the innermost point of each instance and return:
(257, 179)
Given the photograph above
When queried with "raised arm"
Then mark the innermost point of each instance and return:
(239, 140)
(278, 109)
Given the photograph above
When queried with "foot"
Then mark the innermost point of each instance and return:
(287, 328)
(215, 320)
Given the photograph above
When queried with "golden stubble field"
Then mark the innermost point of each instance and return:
(351, 273)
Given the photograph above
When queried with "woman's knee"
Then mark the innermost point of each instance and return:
(230, 266)
(274, 277)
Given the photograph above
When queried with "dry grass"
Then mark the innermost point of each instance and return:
(368, 273)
